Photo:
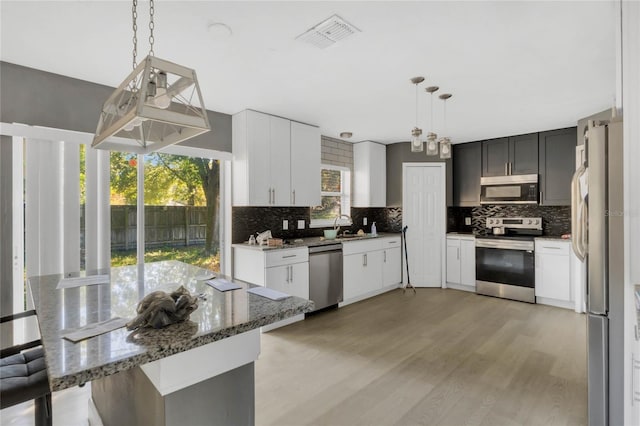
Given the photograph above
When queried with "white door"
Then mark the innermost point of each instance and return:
(423, 212)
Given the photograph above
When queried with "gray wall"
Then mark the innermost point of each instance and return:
(35, 97)
(399, 153)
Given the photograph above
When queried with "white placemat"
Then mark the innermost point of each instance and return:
(95, 329)
(268, 293)
(81, 281)
(223, 285)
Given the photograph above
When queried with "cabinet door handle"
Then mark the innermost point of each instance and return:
(553, 248)
(289, 256)
(458, 253)
(541, 194)
(294, 197)
(291, 279)
(287, 280)
(385, 256)
(366, 260)
(506, 169)
(510, 168)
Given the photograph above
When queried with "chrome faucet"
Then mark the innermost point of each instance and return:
(335, 222)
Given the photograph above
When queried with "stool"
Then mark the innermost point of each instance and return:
(23, 377)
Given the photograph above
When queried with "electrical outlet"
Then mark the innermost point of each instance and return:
(301, 224)
(364, 221)
(285, 224)
(467, 221)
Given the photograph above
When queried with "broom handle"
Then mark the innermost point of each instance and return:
(406, 255)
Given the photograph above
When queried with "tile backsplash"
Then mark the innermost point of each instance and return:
(249, 220)
(556, 220)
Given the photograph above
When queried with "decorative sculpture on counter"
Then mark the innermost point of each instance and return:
(159, 309)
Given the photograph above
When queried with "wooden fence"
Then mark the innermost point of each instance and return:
(163, 226)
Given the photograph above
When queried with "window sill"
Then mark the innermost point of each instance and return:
(324, 223)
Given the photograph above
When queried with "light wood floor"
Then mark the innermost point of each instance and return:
(441, 357)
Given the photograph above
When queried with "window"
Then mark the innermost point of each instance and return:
(335, 197)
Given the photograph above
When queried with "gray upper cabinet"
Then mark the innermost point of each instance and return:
(467, 169)
(515, 155)
(557, 163)
(495, 157)
(523, 154)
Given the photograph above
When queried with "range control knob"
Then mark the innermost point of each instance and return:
(490, 221)
(536, 222)
(529, 222)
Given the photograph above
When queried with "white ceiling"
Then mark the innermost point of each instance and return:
(513, 67)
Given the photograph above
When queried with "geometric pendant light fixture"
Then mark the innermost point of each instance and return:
(157, 105)
(416, 138)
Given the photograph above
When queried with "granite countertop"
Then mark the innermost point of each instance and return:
(553, 238)
(220, 316)
(316, 241)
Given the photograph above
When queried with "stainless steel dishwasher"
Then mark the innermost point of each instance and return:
(325, 275)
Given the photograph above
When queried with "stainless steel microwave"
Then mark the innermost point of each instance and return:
(517, 189)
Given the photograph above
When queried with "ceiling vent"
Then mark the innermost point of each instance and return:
(328, 32)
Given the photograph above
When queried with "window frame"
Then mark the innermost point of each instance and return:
(345, 198)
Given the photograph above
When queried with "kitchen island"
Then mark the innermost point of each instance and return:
(196, 372)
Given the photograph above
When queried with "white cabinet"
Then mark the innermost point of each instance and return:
(285, 270)
(370, 267)
(369, 174)
(461, 262)
(362, 273)
(276, 162)
(553, 273)
(291, 279)
(305, 156)
(391, 261)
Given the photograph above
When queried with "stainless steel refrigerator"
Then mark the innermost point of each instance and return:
(598, 237)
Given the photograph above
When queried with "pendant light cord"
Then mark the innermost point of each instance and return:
(134, 17)
(416, 104)
(151, 27)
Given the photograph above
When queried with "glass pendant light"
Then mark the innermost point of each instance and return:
(445, 142)
(416, 138)
(432, 137)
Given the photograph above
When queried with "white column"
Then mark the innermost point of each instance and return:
(97, 210)
(631, 111)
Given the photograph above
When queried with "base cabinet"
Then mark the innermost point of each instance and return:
(461, 262)
(285, 270)
(370, 267)
(553, 273)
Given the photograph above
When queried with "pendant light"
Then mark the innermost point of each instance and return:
(445, 142)
(432, 137)
(158, 104)
(416, 139)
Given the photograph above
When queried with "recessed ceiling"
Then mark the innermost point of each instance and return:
(513, 67)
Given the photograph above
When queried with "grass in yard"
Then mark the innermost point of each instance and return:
(191, 255)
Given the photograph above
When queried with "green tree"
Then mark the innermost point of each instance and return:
(198, 175)
(124, 174)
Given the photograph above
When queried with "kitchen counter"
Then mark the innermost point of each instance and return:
(218, 317)
(553, 238)
(315, 241)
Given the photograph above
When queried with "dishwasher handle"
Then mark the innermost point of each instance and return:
(324, 248)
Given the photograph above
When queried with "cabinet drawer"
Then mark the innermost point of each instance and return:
(354, 247)
(391, 242)
(553, 247)
(286, 256)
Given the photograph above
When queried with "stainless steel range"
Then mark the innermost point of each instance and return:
(505, 259)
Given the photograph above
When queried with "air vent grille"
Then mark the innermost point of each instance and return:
(328, 32)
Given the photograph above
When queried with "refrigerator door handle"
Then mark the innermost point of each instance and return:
(577, 207)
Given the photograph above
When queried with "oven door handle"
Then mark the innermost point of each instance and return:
(525, 246)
